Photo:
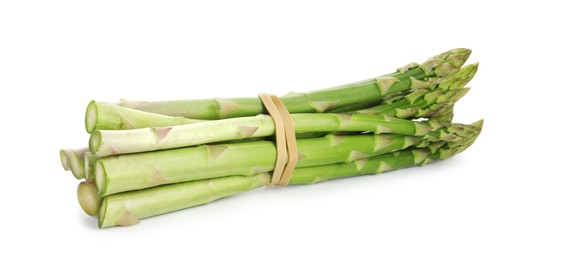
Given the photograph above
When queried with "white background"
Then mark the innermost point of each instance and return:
(500, 199)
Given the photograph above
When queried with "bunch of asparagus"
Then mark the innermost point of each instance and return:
(149, 158)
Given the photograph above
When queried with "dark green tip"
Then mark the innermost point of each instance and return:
(446, 63)
(478, 124)
(461, 78)
(457, 56)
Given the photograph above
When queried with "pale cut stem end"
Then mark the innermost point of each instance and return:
(73, 160)
(91, 118)
(88, 198)
(95, 141)
(64, 159)
(100, 177)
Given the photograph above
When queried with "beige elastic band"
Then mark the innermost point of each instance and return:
(286, 144)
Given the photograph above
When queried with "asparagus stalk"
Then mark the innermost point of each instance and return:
(100, 115)
(128, 208)
(111, 142)
(142, 170)
(73, 160)
(368, 92)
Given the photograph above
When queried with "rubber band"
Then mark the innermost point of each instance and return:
(286, 143)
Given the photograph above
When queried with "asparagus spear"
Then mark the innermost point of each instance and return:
(142, 170)
(129, 207)
(111, 142)
(100, 115)
(125, 209)
(368, 92)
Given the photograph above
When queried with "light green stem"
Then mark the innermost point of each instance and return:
(368, 92)
(112, 142)
(128, 208)
(100, 115)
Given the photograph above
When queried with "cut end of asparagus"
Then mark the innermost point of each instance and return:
(88, 198)
(89, 160)
(91, 118)
(95, 141)
(100, 177)
(64, 159)
(77, 169)
(102, 212)
(73, 160)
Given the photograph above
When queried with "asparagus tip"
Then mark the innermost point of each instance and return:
(89, 160)
(446, 63)
(478, 124)
(466, 74)
(457, 56)
(470, 70)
